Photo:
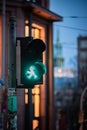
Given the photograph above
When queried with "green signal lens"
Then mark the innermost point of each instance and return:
(32, 73)
(35, 71)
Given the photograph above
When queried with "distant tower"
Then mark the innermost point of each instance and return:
(58, 53)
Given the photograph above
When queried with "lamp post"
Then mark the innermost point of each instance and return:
(12, 97)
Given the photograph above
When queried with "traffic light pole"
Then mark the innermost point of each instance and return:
(12, 97)
(30, 105)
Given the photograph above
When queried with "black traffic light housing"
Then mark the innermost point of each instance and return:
(32, 67)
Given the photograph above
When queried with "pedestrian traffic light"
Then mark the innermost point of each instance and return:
(35, 71)
(32, 67)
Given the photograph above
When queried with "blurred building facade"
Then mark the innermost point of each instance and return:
(36, 15)
(65, 86)
(82, 61)
(82, 77)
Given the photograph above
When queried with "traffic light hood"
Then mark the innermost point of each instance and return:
(35, 48)
(37, 45)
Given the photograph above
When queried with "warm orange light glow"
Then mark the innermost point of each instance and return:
(26, 22)
(26, 30)
(35, 124)
(36, 100)
(26, 98)
(0, 46)
(26, 34)
(37, 90)
(41, 29)
(37, 33)
(36, 103)
(26, 90)
(34, 89)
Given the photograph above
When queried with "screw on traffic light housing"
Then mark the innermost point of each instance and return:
(32, 67)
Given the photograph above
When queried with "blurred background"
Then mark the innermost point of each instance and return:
(70, 62)
(58, 101)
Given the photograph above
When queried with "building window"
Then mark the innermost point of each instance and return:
(83, 54)
(83, 44)
(26, 96)
(26, 28)
(36, 100)
(36, 32)
(83, 65)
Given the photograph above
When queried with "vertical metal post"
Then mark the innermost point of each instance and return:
(12, 53)
(30, 25)
(30, 91)
(3, 38)
(12, 97)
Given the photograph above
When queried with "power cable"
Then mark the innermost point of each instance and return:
(74, 28)
(75, 17)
